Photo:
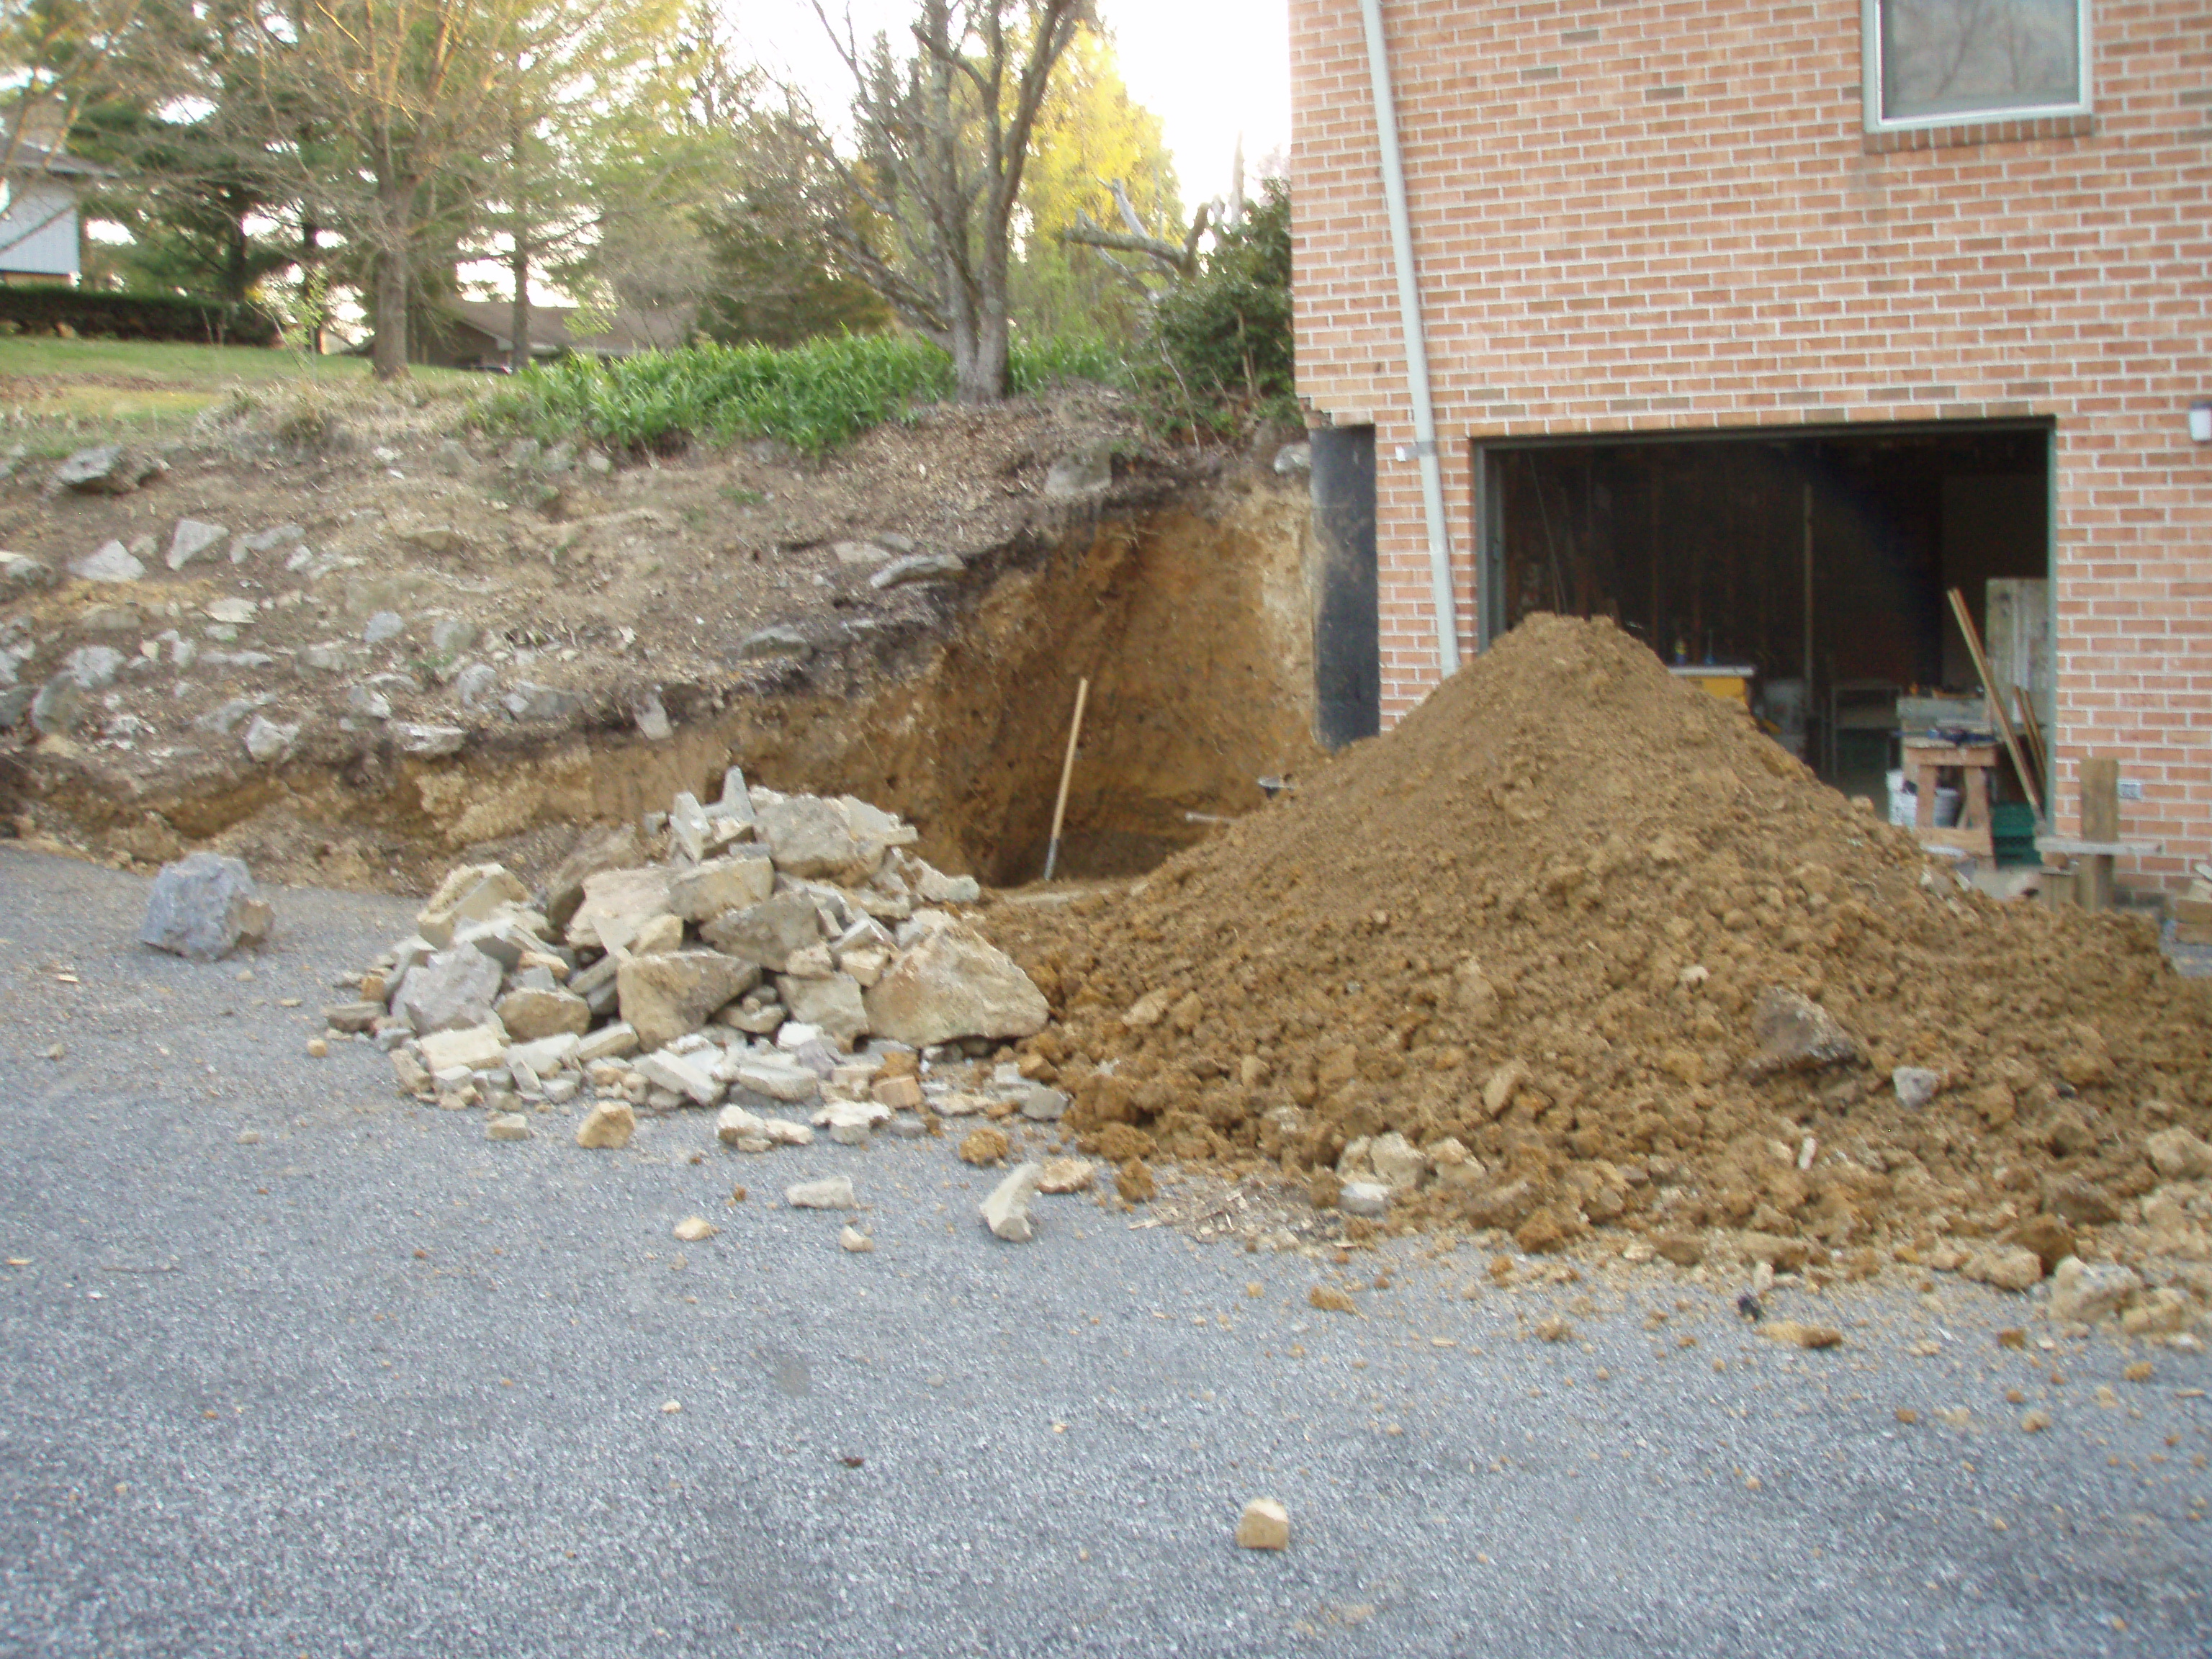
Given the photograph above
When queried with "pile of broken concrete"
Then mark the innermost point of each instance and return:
(785, 952)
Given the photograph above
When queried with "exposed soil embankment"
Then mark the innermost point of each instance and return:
(420, 649)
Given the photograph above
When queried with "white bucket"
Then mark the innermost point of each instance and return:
(1902, 800)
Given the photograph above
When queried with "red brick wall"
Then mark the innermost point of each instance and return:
(1646, 214)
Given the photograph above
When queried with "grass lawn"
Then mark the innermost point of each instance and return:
(55, 394)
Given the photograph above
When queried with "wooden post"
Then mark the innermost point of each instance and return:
(2101, 821)
(1067, 772)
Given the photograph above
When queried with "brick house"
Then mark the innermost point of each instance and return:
(1761, 325)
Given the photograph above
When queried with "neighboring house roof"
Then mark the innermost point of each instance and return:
(631, 331)
(31, 158)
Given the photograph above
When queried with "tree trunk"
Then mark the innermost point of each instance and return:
(387, 349)
(310, 282)
(518, 327)
(980, 371)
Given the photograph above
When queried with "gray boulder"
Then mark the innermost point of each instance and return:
(190, 539)
(58, 707)
(455, 990)
(111, 561)
(664, 997)
(779, 640)
(104, 470)
(1083, 472)
(808, 836)
(1797, 1034)
(768, 933)
(22, 574)
(204, 906)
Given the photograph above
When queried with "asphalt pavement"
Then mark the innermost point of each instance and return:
(291, 1365)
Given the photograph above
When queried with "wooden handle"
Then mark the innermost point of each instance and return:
(1067, 767)
(1995, 701)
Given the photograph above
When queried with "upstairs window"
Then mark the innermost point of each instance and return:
(1945, 63)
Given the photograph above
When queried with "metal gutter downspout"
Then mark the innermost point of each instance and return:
(1417, 350)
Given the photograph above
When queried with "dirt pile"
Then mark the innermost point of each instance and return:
(1512, 966)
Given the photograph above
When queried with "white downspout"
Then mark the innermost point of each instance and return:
(1417, 350)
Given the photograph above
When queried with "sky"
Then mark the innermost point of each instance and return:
(1209, 69)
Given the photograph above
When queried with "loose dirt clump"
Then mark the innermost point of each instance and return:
(1516, 961)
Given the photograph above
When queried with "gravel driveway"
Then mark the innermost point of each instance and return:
(370, 1384)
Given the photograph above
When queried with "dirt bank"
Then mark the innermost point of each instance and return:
(409, 644)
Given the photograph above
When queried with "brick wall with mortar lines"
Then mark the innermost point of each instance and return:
(1667, 214)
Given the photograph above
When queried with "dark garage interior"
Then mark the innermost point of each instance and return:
(1815, 562)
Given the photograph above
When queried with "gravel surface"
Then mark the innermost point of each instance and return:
(373, 1385)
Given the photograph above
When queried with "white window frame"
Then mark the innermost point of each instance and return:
(1870, 83)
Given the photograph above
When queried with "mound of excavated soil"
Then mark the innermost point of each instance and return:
(1539, 919)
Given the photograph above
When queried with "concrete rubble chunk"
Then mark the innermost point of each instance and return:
(808, 836)
(767, 933)
(616, 904)
(835, 1193)
(860, 553)
(474, 892)
(852, 1241)
(473, 1047)
(779, 640)
(688, 826)
(718, 886)
(1795, 1034)
(204, 906)
(834, 1003)
(680, 1073)
(607, 1128)
(544, 1055)
(1363, 1198)
(2007, 1266)
(190, 539)
(1067, 1175)
(1007, 1211)
(531, 1014)
(456, 987)
(608, 1042)
(951, 983)
(664, 997)
(508, 1126)
(775, 1079)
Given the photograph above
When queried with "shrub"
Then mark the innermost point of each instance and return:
(1223, 338)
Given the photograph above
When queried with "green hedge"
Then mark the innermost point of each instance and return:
(94, 314)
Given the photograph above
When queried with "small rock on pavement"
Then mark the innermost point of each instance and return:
(1007, 1211)
(2007, 1266)
(204, 906)
(1367, 1198)
(2087, 1293)
(853, 1239)
(508, 1126)
(1066, 1175)
(984, 1146)
(1265, 1525)
(695, 1230)
(1916, 1085)
(1329, 1299)
(1796, 1335)
(835, 1193)
(607, 1126)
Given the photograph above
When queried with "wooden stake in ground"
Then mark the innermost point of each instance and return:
(1995, 701)
(1067, 772)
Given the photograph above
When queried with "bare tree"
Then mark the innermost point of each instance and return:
(1171, 257)
(941, 138)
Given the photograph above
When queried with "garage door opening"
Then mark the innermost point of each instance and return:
(1814, 563)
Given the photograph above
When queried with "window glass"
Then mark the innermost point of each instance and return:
(1970, 57)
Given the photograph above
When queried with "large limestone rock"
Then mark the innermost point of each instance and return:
(2179, 1155)
(532, 1015)
(720, 885)
(617, 904)
(808, 836)
(474, 892)
(768, 933)
(454, 988)
(835, 1003)
(953, 984)
(204, 907)
(664, 997)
